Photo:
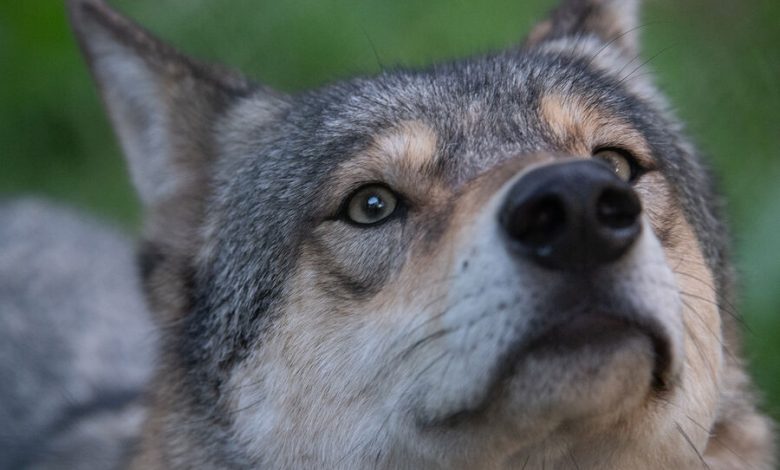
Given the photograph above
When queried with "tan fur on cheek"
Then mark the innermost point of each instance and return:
(698, 392)
(333, 367)
(714, 384)
(656, 197)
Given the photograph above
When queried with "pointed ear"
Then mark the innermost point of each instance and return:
(162, 104)
(614, 22)
(169, 113)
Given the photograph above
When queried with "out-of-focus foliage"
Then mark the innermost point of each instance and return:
(718, 60)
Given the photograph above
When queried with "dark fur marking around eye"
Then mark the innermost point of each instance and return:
(338, 280)
(338, 283)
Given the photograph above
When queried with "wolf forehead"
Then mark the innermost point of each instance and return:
(480, 111)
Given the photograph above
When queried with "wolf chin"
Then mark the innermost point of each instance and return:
(515, 260)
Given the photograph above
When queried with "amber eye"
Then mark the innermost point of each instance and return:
(621, 163)
(371, 204)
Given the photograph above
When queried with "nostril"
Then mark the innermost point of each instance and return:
(538, 222)
(617, 208)
(572, 216)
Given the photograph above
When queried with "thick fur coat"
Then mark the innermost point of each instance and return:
(344, 278)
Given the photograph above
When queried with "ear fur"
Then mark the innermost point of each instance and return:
(613, 22)
(161, 103)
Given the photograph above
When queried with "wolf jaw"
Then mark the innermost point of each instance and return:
(295, 337)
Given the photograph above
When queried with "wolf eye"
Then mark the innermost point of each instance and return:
(621, 162)
(371, 204)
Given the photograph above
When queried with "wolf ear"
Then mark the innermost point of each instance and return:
(169, 112)
(162, 104)
(614, 22)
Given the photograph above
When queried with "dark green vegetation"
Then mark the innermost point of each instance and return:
(718, 61)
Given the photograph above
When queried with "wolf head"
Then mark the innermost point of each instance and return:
(510, 260)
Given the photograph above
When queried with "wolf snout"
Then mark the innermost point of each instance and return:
(571, 216)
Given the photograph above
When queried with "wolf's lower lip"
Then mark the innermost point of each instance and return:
(603, 330)
(580, 331)
(594, 330)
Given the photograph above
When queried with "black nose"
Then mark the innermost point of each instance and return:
(571, 216)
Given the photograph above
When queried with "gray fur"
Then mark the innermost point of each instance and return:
(232, 176)
(78, 345)
(263, 175)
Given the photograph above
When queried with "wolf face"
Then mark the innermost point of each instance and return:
(508, 261)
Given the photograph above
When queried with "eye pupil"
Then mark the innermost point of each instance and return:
(374, 204)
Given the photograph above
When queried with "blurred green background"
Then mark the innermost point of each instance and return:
(718, 60)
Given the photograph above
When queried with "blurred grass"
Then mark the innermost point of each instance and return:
(718, 61)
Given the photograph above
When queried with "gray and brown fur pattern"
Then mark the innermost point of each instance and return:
(293, 338)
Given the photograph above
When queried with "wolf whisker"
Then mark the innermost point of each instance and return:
(692, 445)
(643, 64)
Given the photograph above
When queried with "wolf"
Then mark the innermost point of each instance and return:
(515, 260)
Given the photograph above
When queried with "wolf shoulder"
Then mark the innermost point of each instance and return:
(74, 334)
